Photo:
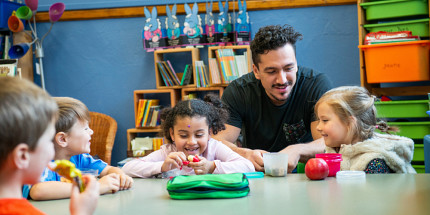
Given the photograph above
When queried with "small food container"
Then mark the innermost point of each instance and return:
(333, 160)
(275, 164)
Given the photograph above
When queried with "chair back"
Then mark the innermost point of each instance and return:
(102, 140)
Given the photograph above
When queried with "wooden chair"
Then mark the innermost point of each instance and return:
(102, 140)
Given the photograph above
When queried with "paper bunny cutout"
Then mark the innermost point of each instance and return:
(209, 21)
(193, 22)
(242, 22)
(152, 29)
(172, 23)
(224, 19)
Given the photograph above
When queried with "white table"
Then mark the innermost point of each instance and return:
(291, 195)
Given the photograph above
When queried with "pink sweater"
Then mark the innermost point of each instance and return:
(226, 161)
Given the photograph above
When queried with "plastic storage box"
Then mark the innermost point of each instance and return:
(419, 168)
(418, 152)
(395, 9)
(418, 27)
(6, 9)
(402, 109)
(397, 62)
(413, 130)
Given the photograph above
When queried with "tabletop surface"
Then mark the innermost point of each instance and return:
(293, 194)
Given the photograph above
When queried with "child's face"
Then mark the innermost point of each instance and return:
(190, 135)
(331, 127)
(78, 138)
(42, 155)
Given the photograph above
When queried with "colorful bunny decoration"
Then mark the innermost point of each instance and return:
(172, 24)
(224, 19)
(242, 22)
(209, 21)
(152, 29)
(193, 22)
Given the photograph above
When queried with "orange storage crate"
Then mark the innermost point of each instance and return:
(397, 62)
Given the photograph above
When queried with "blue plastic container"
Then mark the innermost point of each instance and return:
(6, 9)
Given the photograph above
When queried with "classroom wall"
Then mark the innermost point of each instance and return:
(101, 62)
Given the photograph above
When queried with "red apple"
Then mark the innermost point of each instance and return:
(316, 169)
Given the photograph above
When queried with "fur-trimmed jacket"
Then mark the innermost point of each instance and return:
(396, 151)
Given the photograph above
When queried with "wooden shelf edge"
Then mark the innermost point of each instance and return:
(130, 12)
(400, 91)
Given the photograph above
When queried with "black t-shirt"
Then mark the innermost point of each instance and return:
(270, 127)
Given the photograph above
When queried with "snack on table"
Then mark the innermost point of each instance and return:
(68, 170)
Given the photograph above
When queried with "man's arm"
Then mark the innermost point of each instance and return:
(304, 151)
(230, 135)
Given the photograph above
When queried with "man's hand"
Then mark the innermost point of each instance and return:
(293, 152)
(255, 156)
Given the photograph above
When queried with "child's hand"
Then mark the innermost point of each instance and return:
(173, 161)
(109, 183)
(203, 166)
(125, 182)
(85, 202)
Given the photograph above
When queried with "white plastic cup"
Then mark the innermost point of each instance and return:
(275, 164)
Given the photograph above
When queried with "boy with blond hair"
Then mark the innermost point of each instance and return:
(72, 142)
(27, 119)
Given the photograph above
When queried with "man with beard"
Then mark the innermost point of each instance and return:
(273, 106)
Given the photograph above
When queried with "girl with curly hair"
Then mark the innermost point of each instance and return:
(187, 129)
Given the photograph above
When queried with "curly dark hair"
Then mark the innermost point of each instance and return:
(211, 108)
(272, 37)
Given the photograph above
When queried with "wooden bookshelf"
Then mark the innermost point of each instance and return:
(159, 56)
(186, 91)
(212, 54)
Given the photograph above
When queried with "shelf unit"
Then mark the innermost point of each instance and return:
(167, 97)
(172, 94)
(159, 56)
(186, 91)
(212, 54)
(378, 89)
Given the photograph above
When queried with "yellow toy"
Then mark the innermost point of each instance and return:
(68, 170)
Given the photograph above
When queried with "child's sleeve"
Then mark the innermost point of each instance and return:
(148, 166)
(87, 161)
(227, 161)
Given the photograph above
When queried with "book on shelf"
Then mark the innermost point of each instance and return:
(186, 77)
(201, 74)
(141, 105)
(155, 116)
(151, 102)
(215, 76)
(163, 74)
(6, 47)
(144, 108)
(169, 72)
(229, 66)
(173, 72)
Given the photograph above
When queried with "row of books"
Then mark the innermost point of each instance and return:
(389, 37)
(202, 75)
(148, 113)
(227, 66)
(170, 77)
(141, 145)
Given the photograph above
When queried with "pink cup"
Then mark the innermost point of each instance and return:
(333, 160)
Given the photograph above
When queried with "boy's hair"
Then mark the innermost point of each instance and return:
(354, 101)
(211, 108)
(25, 113)
(70, 111)
(272, 37)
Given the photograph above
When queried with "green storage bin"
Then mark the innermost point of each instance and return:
(402, 109)
(419, 168)
(418, 152)
(395, 9)
(419, 27)
(413, 130)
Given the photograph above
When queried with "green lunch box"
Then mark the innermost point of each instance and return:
(209, 186)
